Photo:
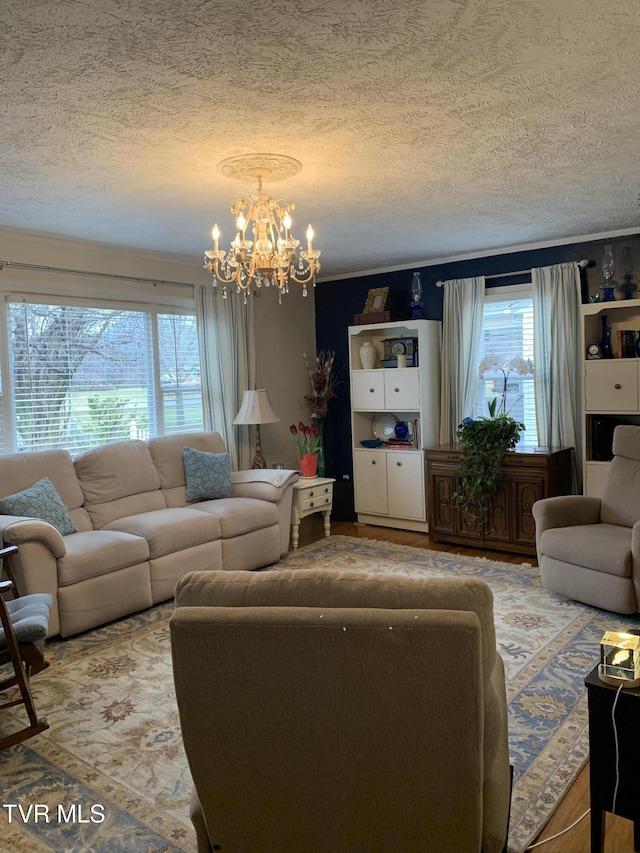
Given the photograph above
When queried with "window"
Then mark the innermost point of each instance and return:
(81, 375)
(507, 334)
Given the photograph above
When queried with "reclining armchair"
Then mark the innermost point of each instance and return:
(325, 710)
(589, 548)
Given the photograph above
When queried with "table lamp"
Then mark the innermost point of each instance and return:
(620, 659)
(256, 409)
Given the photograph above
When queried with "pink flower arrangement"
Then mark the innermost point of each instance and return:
(307, 438)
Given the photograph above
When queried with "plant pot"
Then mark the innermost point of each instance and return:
(309, 464)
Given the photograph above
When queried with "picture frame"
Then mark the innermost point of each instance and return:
(376, 300)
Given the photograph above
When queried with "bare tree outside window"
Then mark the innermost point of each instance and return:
(83, 376)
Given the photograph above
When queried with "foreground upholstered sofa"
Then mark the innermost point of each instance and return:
(589, 548)
(136, 531)
(346, 711)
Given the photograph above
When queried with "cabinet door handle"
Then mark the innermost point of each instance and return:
(527, 510)
(399, 464)
(371, 390)
(444, 502)
(373, 461)
(326, 491)
(498, 508)
(311, 503)
(396, 390)
(617, 386)
(312, 494)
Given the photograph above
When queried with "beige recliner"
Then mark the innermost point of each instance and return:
(341, 711)
(589, 548)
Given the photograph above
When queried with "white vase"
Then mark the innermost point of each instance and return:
(368, 355)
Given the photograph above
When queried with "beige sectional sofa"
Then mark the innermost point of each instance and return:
(136, 531)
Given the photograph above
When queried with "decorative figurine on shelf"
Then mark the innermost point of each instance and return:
(605, 340)
(417, 306)
(627, 288)
(609, 284)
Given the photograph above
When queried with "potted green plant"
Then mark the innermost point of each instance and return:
(483, 443)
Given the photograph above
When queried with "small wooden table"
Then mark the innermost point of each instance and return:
(313, 494)
(603, 768)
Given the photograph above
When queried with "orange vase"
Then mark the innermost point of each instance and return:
(309, 464)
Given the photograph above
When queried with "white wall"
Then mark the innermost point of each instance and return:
(282, 332)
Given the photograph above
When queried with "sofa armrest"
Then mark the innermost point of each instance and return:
(564, 511)
(269, 484)
(266, 484)
(35, 565)
(16, 529)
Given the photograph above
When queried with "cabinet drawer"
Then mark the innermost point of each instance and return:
(314, 502)
(402, 389)
(611, 385)
(367, 390)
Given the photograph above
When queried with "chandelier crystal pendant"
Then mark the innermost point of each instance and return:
(271, 258)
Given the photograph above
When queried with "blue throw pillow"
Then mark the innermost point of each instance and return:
(40, 501)
(207, 475)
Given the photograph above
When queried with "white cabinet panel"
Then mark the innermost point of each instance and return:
(367, 390)
(611, 385)
(405, 483)
(402, 389)
(370, 475)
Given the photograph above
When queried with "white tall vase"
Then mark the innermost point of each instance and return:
(368, 355)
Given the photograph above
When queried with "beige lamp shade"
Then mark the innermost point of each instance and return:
(256, 409)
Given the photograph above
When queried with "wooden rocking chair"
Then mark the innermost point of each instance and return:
(24, 622)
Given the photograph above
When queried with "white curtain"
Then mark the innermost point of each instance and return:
(461, 331)
(225, 335)
(557, 360)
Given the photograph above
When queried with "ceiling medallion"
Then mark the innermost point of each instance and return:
(272, 257)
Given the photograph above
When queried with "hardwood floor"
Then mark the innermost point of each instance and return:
(619, 832)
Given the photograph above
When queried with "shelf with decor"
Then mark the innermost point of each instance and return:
(611, 382)
(394, 416)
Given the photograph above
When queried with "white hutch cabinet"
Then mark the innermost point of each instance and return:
(389, 482)
(611, 386)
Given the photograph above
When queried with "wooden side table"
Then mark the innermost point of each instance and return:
(603, 771)
(314, 494)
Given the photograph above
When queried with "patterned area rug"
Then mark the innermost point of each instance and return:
(110, 774)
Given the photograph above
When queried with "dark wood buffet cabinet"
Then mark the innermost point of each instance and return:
(528, 476)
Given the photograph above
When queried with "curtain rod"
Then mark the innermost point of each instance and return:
(40, 268)
(582, 264)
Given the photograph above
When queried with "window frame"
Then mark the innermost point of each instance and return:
(509, 293)
(66, 298)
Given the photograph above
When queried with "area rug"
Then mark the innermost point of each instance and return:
(110, 775)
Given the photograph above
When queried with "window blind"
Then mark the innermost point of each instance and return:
(82, 376)
(507, 333)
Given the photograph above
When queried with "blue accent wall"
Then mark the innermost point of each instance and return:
(337, 302)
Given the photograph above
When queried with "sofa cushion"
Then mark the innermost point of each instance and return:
(98, 552)
(170, 530)
(207, 475)
(602, 547)
(239, 515)
(621, 492)
(40, 501)
(118, 480)
(18, 471)
(166, 452)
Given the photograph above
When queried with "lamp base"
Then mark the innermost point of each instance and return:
(615, 681)
(258, 460)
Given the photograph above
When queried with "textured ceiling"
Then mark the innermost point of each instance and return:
(425, 129)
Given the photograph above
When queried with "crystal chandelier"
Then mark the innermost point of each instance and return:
(272, 257)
